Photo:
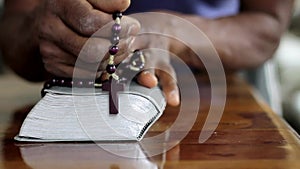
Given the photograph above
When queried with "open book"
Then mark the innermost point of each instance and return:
(82, 114)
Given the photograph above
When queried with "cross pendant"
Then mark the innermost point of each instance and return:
(113, 87)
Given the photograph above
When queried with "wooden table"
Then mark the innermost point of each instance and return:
(249, 135)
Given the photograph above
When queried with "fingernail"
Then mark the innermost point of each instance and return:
(173, 98)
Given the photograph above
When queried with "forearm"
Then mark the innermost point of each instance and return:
(245, 40)
(19, 41)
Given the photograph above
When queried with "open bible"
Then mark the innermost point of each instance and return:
(82, 114)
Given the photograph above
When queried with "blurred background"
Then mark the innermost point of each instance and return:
(15, 91)
(286, 69)
(287, 60)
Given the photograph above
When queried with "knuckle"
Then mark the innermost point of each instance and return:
(56, 69)
(168, 71)
(91, 22)
(52, 5)
(124, 45)
(42, 30)
(48, 64)
(94, 51)
(64, 71)
(49, 68)
(172, 82)
(89, 56)
(134, 27)
(87, 25)
(46, 26)
(46, 50)
(79, 17)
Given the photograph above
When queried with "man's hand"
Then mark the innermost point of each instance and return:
(66, 25)
(156, 51)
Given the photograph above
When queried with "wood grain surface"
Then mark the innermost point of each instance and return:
(249, 135)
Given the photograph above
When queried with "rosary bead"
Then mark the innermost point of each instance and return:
(90, 83)
(117, 15)
(137, 61)
(62, 82)
(113, 50)
(115, 39)
(80, 83)
(53, 81)
(111, 69)
(116, 28)
(69, 83)
(77, 83)
(47, 85)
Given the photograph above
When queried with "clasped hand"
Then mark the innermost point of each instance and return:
(65, 26)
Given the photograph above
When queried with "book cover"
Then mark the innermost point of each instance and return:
(82, 114)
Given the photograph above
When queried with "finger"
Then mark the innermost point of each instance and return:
(111, 5)
(95, 50)
(63, 70)
(147, 79)
(52, 53)
(168, 82)
(132, 27)
(60, 63)
(85, 20)
(80, 15)
(60, 34)
(129, 27)
(92, 50)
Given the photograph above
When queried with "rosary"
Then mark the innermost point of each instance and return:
(113, 83)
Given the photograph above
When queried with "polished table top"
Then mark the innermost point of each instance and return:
(249, 135)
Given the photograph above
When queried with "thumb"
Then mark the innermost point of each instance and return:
(110, 6)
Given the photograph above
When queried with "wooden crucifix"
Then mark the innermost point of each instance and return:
(113, 87)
